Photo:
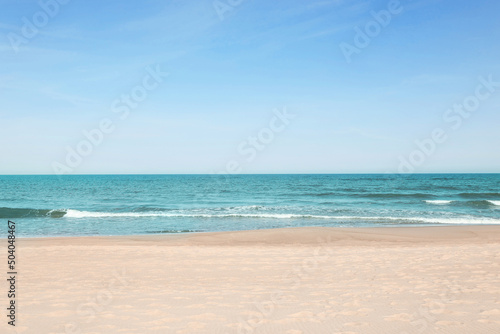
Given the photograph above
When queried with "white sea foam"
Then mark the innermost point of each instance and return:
(88, 214)
(495, 202)
(437, 220)
(439, 202)
(461, 221)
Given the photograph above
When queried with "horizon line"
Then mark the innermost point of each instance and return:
(238, 174)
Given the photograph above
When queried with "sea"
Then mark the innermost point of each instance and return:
(102, 205)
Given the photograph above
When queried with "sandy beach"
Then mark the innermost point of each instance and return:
(291, 281)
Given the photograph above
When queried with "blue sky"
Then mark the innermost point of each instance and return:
(226, 76)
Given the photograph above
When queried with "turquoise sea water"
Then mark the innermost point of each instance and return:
(148, 204)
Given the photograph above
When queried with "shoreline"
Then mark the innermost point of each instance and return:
(413, 232)
(290, 236)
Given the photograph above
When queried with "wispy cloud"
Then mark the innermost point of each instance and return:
(430, 79)
(179, 22)
(363, 133)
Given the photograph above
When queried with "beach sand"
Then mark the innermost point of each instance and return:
(292, 281)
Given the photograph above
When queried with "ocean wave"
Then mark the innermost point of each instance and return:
(89, 214)
(439, 202)
(481, 204)
(461, 221)
(375, 219)
(357, 193)
(484, 204)
(173, 231)
(12, 213)
(479, 195)
(396, 195)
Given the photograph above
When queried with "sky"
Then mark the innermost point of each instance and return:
(249, 86)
